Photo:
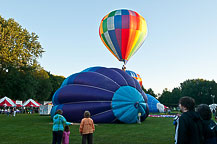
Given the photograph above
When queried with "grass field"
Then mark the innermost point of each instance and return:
(35, 129)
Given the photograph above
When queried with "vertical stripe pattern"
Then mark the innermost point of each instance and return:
(123, 32)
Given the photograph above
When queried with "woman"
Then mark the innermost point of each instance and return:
(58, 126)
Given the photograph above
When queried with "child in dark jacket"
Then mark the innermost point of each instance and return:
(210, 127)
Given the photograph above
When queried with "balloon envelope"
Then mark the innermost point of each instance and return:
(123, 32)
(110, 95)
(135, 76)
(154, 105)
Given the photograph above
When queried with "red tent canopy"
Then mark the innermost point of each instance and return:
(19, 105)
(31, 103)
(5, 101)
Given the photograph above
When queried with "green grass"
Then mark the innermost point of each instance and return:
(35, 129)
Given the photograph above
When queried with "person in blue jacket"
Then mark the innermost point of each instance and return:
(58, 126)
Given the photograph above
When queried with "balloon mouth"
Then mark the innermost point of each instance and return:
(136, 105)
(127, 102)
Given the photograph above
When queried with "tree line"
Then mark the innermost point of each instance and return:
(21, 76)
(203, 91)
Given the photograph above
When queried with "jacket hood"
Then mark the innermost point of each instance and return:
(56, 116)
(194, 115)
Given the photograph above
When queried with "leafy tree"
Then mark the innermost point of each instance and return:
(44, 86)
(149, 91)
(17, 46)
(166, 97)
(56, 82)
(201, 90)
(19, 84)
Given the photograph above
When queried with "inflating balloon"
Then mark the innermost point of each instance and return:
(123, 32)
(110, 94)
(135, 76)
(154, 104)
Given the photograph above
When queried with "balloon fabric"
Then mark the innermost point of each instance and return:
(152, 103)
(123, 32)
(110, 94)
(135, 76)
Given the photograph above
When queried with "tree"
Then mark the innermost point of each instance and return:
(200, 89)
(44, 87)
(17, 46)
(149, 91)
(56, 82)
(166, 97)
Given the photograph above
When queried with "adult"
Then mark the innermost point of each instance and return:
(210, 128)
(58, 126)
(87, 128)
(189, 128)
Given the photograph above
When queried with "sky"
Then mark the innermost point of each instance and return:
(181, 43)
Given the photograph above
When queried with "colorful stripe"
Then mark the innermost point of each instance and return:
(123, 32)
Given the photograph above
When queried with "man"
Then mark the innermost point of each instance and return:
(189, 129)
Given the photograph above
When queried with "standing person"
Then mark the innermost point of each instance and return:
(14, 112)
(66, 135)
(87, 128)
(9, 111)
(58, 126)
(210, 128)
(189, 128)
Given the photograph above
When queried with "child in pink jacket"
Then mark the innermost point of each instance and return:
(66, 135)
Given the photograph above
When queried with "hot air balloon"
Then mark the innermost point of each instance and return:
(110, 95)
(154, 104)
(123, 32)
(135, 75)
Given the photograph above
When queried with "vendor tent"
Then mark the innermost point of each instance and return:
(5, 101)
(31, 103)
(19, 103)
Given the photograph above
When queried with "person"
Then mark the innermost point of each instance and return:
(12, 112)
(15, 111)
(58, 122)
(9, 112)
(124, 68)
(87, 128)
(210, 128)
(189, 128)
(139, 118)
(66, 135)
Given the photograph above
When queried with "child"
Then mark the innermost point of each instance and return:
(66, 135)
(210, 127)
(87, 128)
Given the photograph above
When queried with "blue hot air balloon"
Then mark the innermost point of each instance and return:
(154, 105)
(110, 94)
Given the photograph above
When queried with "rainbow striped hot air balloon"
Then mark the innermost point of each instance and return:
(123, 32)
